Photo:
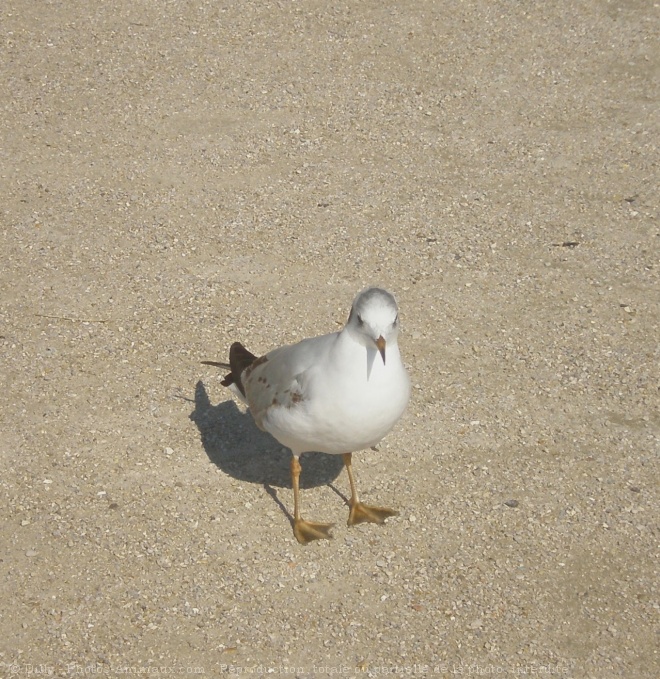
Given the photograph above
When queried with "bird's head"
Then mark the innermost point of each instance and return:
(374, 319)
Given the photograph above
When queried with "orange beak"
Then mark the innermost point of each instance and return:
(380, 343)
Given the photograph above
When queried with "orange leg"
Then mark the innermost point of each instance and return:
(363, 513)
(305, 531)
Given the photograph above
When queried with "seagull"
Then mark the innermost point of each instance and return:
(337, 393)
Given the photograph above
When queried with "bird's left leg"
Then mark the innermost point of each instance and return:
(361, 513)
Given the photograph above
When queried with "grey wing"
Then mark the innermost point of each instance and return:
(277, 378)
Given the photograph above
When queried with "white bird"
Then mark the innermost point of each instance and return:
(337, 394)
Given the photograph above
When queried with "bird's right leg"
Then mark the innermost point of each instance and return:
(305, 531)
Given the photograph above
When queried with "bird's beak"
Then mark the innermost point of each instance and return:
(380, 343)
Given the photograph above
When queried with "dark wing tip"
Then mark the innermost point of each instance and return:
(224, 366)
(228, 379)
(239, 359)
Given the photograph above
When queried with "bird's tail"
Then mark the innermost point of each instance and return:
(239, 359)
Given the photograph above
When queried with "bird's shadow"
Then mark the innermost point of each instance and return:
(240, 449)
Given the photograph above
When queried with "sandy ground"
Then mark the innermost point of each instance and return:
(178, 175)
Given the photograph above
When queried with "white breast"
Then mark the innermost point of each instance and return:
(350, 401)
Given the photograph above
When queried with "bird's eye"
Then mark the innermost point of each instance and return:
(360, 321)
(396, 320)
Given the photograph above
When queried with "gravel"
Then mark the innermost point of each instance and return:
(176, 176)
